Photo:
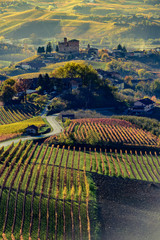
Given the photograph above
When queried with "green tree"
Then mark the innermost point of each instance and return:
(40, 80)
(144, 87)
(57, 48)
(87, 73)
(119, 47)
(155, 87)
(9, 82)
(144, 74)
(7, 93)
(115, 65)
(49, 48)
(124, 49)
(128, 80)
(41, 50)
(47, 83)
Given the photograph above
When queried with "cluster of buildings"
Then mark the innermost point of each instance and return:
(134, 54)
(73, 47)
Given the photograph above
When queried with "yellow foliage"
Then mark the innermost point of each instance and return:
(72, 192)
(19, 127)
(64, 192)
(79, 190)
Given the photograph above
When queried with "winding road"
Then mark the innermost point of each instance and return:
(51, 120)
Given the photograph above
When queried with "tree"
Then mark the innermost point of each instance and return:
(41, 50)
(124, 49)
(102, 51)
(78, 70)
(155, 87)
(47, 83)
(119, 47)
(40, 100)
(22, 85)
(40, 80)
(9, 82)
(144, 74)
(49, 48)
(7, 93)
(128, 80)
(115, 65)
(144, 87)
(105, 57)
(57, 48)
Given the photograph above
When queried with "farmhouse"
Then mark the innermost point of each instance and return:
(92, 51)
(143, 106)
(71, 46)
(32, 130)
(25, 66)
(136, 54)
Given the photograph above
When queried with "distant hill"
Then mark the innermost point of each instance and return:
(101, 22)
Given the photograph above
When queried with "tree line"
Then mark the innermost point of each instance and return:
(48, 49)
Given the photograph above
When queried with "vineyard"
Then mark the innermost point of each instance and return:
(107, 131)
(48, 192)
(12, 130)
(12, 114)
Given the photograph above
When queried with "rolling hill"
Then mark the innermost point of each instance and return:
(98, 21)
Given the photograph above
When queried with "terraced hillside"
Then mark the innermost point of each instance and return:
(52, 189)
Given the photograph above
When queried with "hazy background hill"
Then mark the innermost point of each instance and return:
(101, 22)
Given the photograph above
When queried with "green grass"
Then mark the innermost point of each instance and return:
(46, 127)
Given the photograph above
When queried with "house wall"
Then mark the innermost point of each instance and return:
(149, 107)
(31, 131)
(146, 107)
(25, 66)
(69, 47)
(138, 104)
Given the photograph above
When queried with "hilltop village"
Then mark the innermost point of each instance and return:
(117, 81)
(132, 74)
(70, 50)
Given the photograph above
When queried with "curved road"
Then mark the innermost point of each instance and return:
(52, 121)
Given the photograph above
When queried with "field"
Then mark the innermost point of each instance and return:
(12, 114)
(14, 119)
(13, 130)
(48, 69)
(53, 191)
(102, 131)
